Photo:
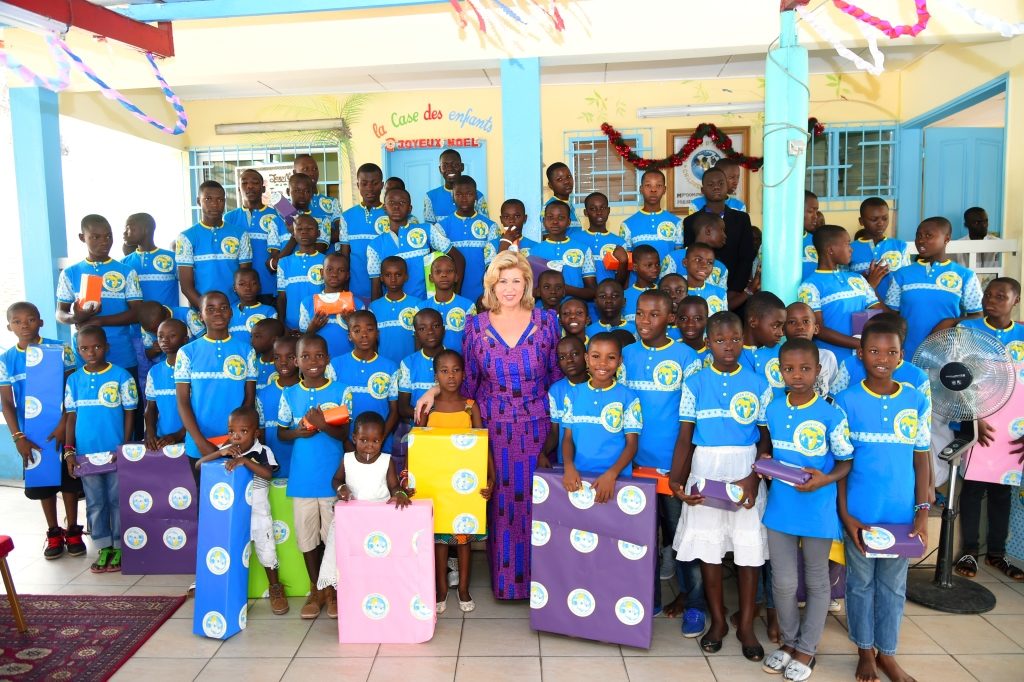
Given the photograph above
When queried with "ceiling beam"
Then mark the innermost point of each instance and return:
(225, 9)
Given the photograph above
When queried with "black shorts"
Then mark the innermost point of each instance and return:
(68, 484)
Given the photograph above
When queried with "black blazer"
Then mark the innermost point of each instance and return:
(738, 253)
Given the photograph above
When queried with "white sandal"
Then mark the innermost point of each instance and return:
(777, 662)
(467, 606)
(797, 671)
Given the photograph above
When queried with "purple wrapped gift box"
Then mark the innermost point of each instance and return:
(159, 514)
(593, 564)
(859, 319)
(891, 541)
(718, 494)
(96, 463)
(787, 473)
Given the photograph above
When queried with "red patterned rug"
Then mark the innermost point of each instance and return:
(77, 638)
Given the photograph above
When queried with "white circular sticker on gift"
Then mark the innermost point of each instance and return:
(133, 452)
(583, 541)
(419, 609)
(214, 625)
(540, 534)
(465, 481)
(281, 532)
(375, 606)
(247, 556)
(243, 616)
(140, 501)
(174, 538)
(584, 497)
(631, 500)
(32, 407)
(877, 538)
(100, 458)
(248, 493)
(135, 538)
(174, 451)
(416, 541)
(629, 611)
(222, 496)
(377, 545)
(463, 441)
(1011, 478)
(218, 560)
(33, 356)
(279, 482)
(540, 490)
(631, 551)
(581, 602)
(465, 524)
(538, 595)
(179, 498)
(34, 460)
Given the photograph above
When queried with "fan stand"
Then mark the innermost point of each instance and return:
(945, 591)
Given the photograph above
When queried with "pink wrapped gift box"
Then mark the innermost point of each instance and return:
(995, 464)
(385, 572)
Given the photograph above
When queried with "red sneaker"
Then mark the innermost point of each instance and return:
(73, 540)
(54, 543)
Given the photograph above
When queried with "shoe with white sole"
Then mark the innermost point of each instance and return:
(453, 572)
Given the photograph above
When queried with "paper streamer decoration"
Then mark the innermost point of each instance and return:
(985, 20)
(883, 25)
(827, 30)
(505, 12)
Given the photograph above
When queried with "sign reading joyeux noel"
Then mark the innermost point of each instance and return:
(463, 119)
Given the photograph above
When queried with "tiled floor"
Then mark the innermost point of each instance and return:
(495, 641)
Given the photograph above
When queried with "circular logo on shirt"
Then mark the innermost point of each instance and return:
(950, 281)
(381, 225)
(744, 406)
(668, 375)
(631, 551)
(253, 319)
(405, 318)
(455, 319)
(229, 246)
(134, 452)
(716, 275)
(282, 531)
(419, 609)
(379, 384)
(140, 501)
(538, 595)
(460, 441)
(611, 417)
(1011, 478)
(479, 229)
(773, 374)
(174, 538)
(194, 321)
(172, 451)
(113, 281)
(489, 252)
(417, 237)
(540, 533)
(905, 425)
(377, 544)
(163, 263)
(573, 258)
(32, 407)
(583, 541)
(631, 500)
(110, 394)
(804, 295)
(540, 490)
(267, 223)
(810, 254)
(1016, 428)
(666, 230)
(179, 498)
(315, 275)
(581, 602)
(135, 538)
(464, 481)
(221, 496)
(33, 356)
(246, 557)
(133, 392)
(892, 259)
(878, 538)
(465, 524)
(715, 304)
(809, 438)
(1016, 351)
(218, 560)
(584, 497)
(214, 625)
(375, 606)
(326, 204)
(857, 283)
(234, 367)
(629, 611)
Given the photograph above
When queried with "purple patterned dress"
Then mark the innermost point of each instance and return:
(511, 387)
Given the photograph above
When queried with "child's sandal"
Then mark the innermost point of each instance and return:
(966, 566)
(100, 565)
(1009, 570)
(114, 565)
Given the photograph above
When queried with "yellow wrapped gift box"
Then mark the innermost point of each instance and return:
(449, 466)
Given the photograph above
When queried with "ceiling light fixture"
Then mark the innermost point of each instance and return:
(700, 109)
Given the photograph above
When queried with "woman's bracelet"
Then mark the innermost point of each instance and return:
(69, 451)
(925, 506)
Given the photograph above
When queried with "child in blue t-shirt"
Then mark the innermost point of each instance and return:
(317, 447)
(573, 318)
(602, 422)
(439, 203)
(699, 264)
(646, 269)
(474, 238)
(573, 363)
(248, 311)
(810, 254)
(209, 252)
(394, 311)
(333, 328)
(152, 315)
(100, 401)
(766, 321)
(155, 267)
(801, 323)
(268, 400)
(416, 370)
(408, 241)
(933, 292)
(566, 253)
(834, 294)
(301, 274)
(808, 432)
(550, 290)
(609, 303)
(874, 255)
(322, 209)
(561, 184)
(602, 242)
(888, 484)
(851, 370)
(266, 229)
(722, 428)
(691, 323)
(454, 309)
(163, 423)
(709, 228)
(264, 333)
(361, 224)
(652, 224)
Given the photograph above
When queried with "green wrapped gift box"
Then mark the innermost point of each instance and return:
(291, 567)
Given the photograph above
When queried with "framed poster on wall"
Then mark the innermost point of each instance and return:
(683, 182)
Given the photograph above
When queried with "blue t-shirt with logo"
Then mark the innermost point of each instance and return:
(267, 232)
(299, 276)
(673, 264)
(314, 459)
(717, 297)
(851, 372)
(335, 332)
(454, 314)
(160, 389)
(726, 408)
(601, 244)
(100, 400)
(214, 254)
(439, 204)
(268, 402)
(395, 325)
(120, 286)
(244, 318)
(837, 295)
(476, 238)
(416, 375)
(358, 227)
(556, 408)
(158, 275)
(813, 435)
(370, 385)
(810, 256)
(891, 251)
(13, 362)
(599, 419)
(764, 360)
(662, 230)
(574, 221)
(325, 210)
(413, 243)
(632, 297)
(1011, 337)
(571, 256)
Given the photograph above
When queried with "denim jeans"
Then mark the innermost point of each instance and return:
(876, 590)
(101, 505)
(688, 573)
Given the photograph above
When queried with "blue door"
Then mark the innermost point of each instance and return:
(963, 167)
(418, 168)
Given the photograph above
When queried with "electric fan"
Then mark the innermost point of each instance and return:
(971, 377)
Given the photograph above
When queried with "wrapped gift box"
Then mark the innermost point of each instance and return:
(224, 551)
(859, 319)
(784, 472)
(96, 463)
(449, 466)
(995, 464)
(385, 572)
(660, 477)
(891, 541)
(339, 303)
(90, 292)
(593, 564)
(291, 567)
(44, 398)
(718, 494)
(158, 510)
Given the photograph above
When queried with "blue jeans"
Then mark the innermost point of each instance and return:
(691, 583)
(876, 590)
(101, 505)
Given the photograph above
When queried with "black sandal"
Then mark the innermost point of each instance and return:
(966, 566)
(751, 653)
(710, 646)
(1009, 570)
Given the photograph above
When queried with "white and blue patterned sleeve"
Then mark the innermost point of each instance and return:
(5, 375)
(129, 394)
(679, 232)
(668, 266)
(183, 252)
(439, 239)
(282, 278)
(428, 210)
(894, 295)
(251, 373)
(65, 292)
(692, 368)
(404, 378)
(182, 368)
(588, 263)
(633, 418)
(132, 290)
(553, 409)
(970, 302)
(808, 293)
(627, 237)
(839, 437)
(260, 412)
(905, 256)
(842, 379)
(304, 317)
(150, 388)
(393, 386)
(870, 296)
(69, 398)
(687, 404)
(284, 413)
(342, 229)
(765, 399)
(245, 249)
(567, 415)
(372, 262)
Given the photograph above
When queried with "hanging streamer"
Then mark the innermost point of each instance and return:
(827, 30)
(57, 83)
(507, 13)
(884, 26)
(985, 20)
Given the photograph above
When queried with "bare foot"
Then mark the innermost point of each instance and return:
(892, 669)
(866, 670)
(676, 608)
(773, 626)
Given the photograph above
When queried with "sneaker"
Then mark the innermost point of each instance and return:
(835, 606)
(694, 623)
(668, 564)
(453, 572)
(73, 540)
(114, 565)
(311, 609)
(54, 543)
(278, 602)
(332, 602)
(100, 565)
(191, 591)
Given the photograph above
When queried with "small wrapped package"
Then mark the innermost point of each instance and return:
(338, 303)
(718, 494)
(224, 551)
(385, 572)
(592, 565)
(44, 398)
(335, 416)
(660, 477)
(610, 262)
(995, 463)
(784, 472)
(96, 463)
(449, 466)
(291, 566)
(90, 292)
(284, 207)
(891, 541)
(158, 510)
(859, 319)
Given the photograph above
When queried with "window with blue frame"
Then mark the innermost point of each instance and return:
(597, 167)
(853, 161)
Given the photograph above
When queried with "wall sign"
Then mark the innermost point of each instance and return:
(391, 144)
(684, 181)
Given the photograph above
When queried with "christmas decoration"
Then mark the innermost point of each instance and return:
(718, 138)
(883, 25)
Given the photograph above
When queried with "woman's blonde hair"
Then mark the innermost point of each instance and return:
(504, 261)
